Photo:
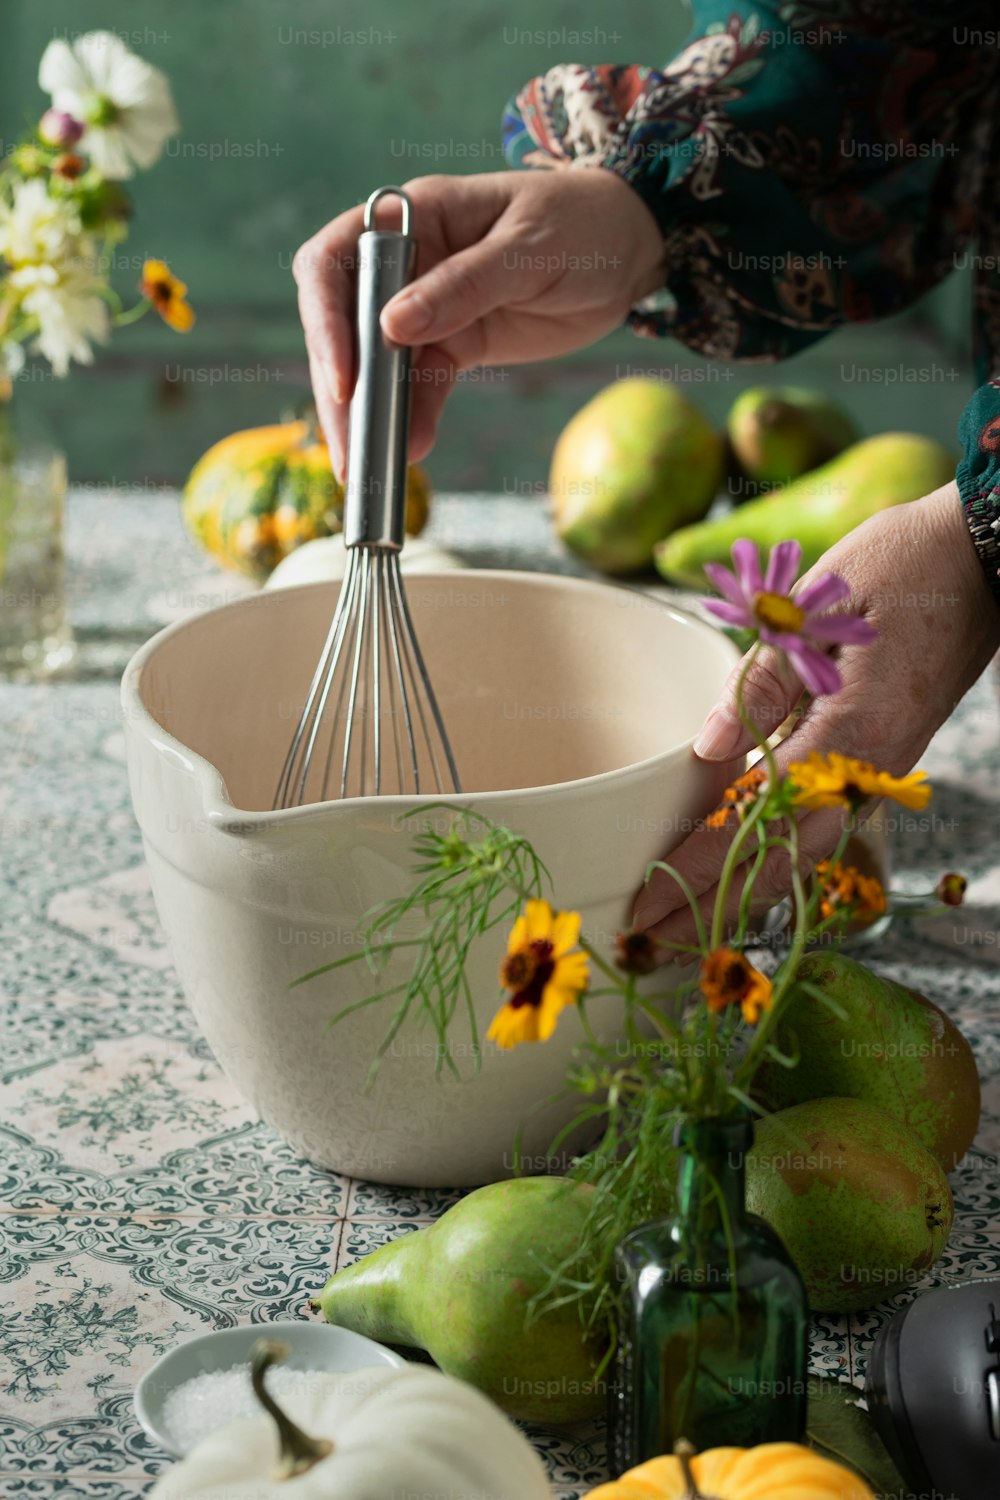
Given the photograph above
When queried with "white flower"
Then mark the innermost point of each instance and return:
(125, 104)
(35, 227)
(65, 299)
(53, 278)
(11, 360)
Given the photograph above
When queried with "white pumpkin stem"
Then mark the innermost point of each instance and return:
(299, 1451)
(684, 1452)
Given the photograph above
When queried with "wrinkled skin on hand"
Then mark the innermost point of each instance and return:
(914, 574)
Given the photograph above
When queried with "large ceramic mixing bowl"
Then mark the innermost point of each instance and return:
(571, 706)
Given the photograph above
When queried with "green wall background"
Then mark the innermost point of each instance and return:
(286, 120)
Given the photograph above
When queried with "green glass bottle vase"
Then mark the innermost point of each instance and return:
(714, 1330)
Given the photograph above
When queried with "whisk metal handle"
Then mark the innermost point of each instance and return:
(378, 430)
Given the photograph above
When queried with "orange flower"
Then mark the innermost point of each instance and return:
(544, 970)
(838, 781)
(159, 284)
(844, 887)
(742, 793)
(728, 978)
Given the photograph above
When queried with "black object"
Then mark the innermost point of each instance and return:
(933, 1391)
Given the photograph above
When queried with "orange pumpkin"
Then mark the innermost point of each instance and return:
(257, 495)
(772, 1471)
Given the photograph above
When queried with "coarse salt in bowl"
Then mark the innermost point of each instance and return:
(204, 1383)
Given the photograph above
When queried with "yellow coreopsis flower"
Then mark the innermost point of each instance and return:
(835, 780)
(727, 978)
(544, 971)
(167, 294)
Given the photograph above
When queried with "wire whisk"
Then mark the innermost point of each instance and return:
(371, 725)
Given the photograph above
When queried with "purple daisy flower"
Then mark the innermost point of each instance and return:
(797, 626)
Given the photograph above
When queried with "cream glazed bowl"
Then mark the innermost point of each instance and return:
(571, 707)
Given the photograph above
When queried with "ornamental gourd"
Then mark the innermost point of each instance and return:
(364, 1435)
(257, 495)
(772, 1471)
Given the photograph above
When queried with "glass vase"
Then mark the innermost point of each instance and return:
(714, 1330)
(36, 640)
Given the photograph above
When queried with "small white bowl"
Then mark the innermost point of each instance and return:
(311, 1345)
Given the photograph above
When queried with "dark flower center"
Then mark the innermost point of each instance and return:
(528, 972)
(635, 952)
(735, 979)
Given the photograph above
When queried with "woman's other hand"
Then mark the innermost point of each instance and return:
(914, 575)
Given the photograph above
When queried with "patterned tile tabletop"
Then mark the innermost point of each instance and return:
(141, 1202)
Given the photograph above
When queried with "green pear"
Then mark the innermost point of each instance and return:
(862, 1208)
(817, 509)
(460, 1289)
(777, 433)
(888, 1046)
(634, 463)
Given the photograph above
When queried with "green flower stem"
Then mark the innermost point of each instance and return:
(748, 724)
(691, 1375)
(743, 918)
(668, 1030)
(917, 905)
(456, 891)
(816, 895)
(678, 878)
(753, 817)
(123, 319)
(743, 1074)
(21, 330)
(617, 979)
(732, 860)
(845, 836)
(713, 1195)
(588, 1030)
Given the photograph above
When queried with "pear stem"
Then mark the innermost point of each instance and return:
(299, 1451)
(684, 1452)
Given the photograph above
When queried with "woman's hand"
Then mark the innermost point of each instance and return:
(914, 574)
(511, 267)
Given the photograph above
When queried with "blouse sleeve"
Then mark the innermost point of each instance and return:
(806, 170)
(979, 477)
(979, 428)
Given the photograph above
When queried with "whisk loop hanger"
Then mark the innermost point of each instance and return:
(371, 724)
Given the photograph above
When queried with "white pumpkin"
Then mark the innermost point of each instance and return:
(325, 558)
(363, 1435)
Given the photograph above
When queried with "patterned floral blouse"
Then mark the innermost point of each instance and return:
(810, 163)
